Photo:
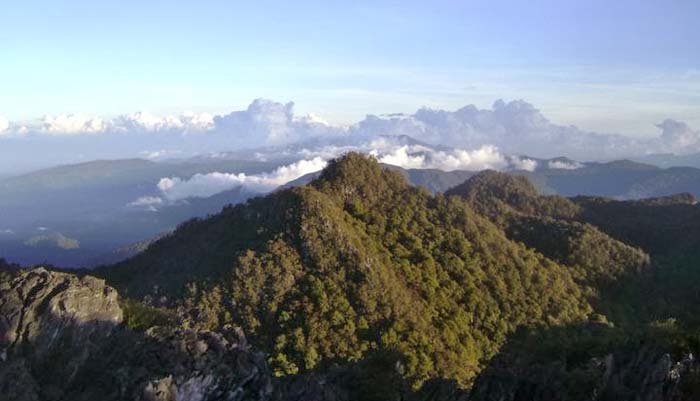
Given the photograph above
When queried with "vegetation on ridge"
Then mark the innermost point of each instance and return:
(358, 265)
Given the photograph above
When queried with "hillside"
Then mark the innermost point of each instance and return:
(357, 265)
(360, 286)
(553, 225)
(621, 179)
(97, 203)
(91, 203)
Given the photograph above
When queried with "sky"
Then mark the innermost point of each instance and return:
(612, 67)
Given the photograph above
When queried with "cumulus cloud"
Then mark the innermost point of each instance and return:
(523, 163)
(4, 124)
(514, 127)
(72, 124)
(519, 127)
(142, 121)
(138, 122)
(270, 123)
(678, 137)
(205, 185)
(421, 157)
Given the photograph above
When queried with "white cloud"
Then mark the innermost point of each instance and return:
(564, 164)
(144, 121)
(515, 127)
(311, 119)
(159, 154)
(147, 201)
(678, 137)
(270, 123)
(204, 185)
(422, 157)
(4, 124)
(72, 124)
(523, 163)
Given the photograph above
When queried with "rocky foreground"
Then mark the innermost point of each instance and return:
(62, 337)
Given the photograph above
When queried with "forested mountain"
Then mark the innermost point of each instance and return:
(358, 265)
(102, 207)
(361, 286)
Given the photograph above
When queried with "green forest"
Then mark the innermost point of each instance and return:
(360, 267)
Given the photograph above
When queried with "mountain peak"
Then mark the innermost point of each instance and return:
(492, 193)
(355, 176)
(509, 188)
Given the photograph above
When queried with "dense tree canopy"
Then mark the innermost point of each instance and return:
(358, 267)
(357, 264)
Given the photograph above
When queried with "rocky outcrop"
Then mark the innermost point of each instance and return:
(201, 366)
(39, 308)
(61, 339)
(645, 374)
(50, 324)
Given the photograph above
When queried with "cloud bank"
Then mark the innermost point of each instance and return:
(205, 185)
(4, 124)
(514, 127)
(421, 157)
(389, 150)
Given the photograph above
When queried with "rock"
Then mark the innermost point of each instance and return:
(644, 374)
(202, 365)
(38, 307)
(61, 339)
(49, 324)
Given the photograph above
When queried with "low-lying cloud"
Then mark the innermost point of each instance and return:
(564, 164)
(421, 157)
(523, 163)
(205, 185)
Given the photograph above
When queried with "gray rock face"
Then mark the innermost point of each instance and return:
(39, 307)
(51, 322)
(61, 339)
(200, 366)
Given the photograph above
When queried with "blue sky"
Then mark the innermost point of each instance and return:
(609, 66)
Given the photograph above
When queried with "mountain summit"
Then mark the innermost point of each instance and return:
(358, 265)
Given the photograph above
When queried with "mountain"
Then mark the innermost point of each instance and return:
(357, 265)
(622, 179)
(91, 204)
(637, 258)
(554, 226)
(106, 205)
(361, 286)
(666, 160)
(65, 337)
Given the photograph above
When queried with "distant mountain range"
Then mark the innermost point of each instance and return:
(100, 207)
(671, 160)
